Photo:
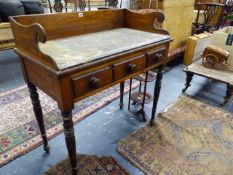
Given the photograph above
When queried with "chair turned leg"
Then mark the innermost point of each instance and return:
(229, 93)
(70, 140)
(75, 6)
(50, 7)
(189, 77)
(157, 89)
(122, 86)
(66, 7)
(38, 113)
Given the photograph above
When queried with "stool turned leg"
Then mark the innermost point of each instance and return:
(140, 86)
(139, 90)
(70, 140)
(38, 113)
(229, 93)
(189, 77)
(144, 98)
(122, 86)
(130, 89)
(157, 89)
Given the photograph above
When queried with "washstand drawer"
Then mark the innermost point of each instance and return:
(92, 81)
(155, 56)
(128, 67)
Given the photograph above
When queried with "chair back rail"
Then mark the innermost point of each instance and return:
(213, 16)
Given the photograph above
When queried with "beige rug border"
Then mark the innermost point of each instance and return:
(169, 106)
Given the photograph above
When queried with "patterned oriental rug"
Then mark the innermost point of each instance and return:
(89, 165)
(19, 132)
(189, 138)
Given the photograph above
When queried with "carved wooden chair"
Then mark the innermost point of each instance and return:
(102, 4)
(229, 7)
(228, 1)
(75, 3)
(228, 12)
(213, 17)
(58, 7)
(111, 3)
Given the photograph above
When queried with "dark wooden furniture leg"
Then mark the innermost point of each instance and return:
(122, 86)
(156, 93)
(130, 89)
(140, 86)
(66, 8)
(189, 77)
(38, 113)
(142, 111)
(139, 90)
(89, 5)
(70, 139)
(75, 6)
(229, 93)
(121, 4)
(50, 7)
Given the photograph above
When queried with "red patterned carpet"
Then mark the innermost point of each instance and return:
(89, 165)
(19, 132)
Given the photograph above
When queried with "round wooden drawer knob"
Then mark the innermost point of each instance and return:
(158, 56)
(132, 67)
(94, 82)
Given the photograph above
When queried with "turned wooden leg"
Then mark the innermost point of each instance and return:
(156, 93)
(38, 113)
(130, 89)
(75, 6)
(229, 93)
(70, 139)
(189, 77)
(122, 86)
(50, 7)
(89, 5)
(66, 8)
(140, 87)
(139, 90)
